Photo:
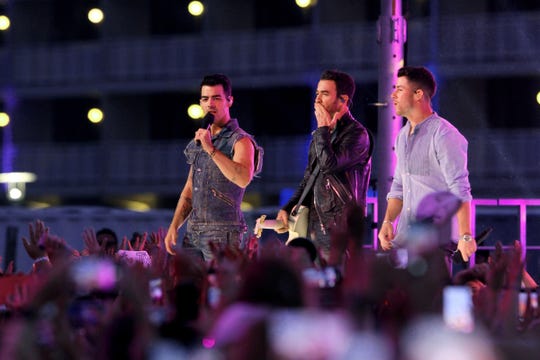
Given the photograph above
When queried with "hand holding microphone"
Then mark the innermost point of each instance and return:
(208, 120)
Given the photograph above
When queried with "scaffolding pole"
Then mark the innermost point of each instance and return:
(391, 37)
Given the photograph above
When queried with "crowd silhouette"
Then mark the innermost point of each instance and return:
(130, 299)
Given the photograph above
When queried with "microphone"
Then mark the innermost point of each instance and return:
(208, 120)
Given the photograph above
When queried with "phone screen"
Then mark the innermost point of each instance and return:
(458, 308)
(94, 275)
(524, 297)
(156, 290)
(298, 334)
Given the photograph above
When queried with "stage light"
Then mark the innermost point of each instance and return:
(305, 3)
(5, 23)
(16, 184)
(95, 115)
(15, 191)
(195, 111)
(4, 119)
(134, 205)
(538, 98)
(95, 15)
(196, 8)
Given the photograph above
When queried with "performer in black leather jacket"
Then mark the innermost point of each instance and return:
(342, 148)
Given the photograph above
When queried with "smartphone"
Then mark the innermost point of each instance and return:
(94, 275)
(156, 291)
(525, 296)
(306, 334)
(458, 308)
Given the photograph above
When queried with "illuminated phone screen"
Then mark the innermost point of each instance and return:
(458, 308)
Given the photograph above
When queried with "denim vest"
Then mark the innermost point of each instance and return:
(216, 200)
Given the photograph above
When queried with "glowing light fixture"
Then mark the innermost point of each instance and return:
(305, 3)
(4, 119)
(95, 15)
(196, 8)
(245, 206)
(15, 192)
(195, 111)
(5, 23)
(136, 206)
(16, 184)
(95, 115)
(538, 98)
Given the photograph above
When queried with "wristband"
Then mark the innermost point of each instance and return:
(213, 152)
(40, 259)
(388, 222)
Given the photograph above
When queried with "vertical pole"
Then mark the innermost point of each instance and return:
(391, 37)
(10, 253)
(9, 100)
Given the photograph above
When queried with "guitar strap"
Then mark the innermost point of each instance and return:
(310, 181)
(309, 184)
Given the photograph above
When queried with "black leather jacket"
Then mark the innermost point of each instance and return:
(345, 168)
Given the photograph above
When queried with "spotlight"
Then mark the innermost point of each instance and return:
(16, 191)
(95, 16)
(95, 115)
(4, 119)
(195, 111)
(5, 23)
(196, 8)
(16, 184)
(305, 3)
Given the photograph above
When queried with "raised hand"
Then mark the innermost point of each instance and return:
(126, 244)
(56, 248)
(90, 242)
(31, 244)
(9, 268)
(140, 242)
(157, 252)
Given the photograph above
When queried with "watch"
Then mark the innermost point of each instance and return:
(466, 237)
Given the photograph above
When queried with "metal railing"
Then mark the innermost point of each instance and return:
(471, 45)
(501, 164)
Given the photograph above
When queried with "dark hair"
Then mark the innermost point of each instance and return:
(273, 282)
(344, 82)
(107, 231)
(218, 79)
(478, 272)
(421, 77)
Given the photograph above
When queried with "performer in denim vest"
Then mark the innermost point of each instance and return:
(222, 159)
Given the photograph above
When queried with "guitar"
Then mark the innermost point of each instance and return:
(297, 224)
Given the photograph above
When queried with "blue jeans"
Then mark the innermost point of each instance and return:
(201, 239)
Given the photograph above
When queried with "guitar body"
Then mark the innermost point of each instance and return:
(298, 224)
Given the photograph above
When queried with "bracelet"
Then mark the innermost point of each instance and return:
(388, 222)
(40, 259)
(213, 152)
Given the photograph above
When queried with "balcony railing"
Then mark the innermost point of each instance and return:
(472, 45)
(501, 165)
